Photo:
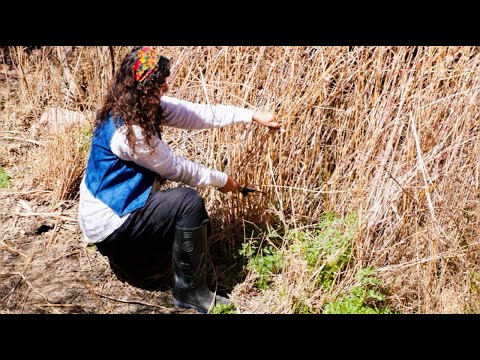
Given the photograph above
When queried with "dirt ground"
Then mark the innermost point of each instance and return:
(46, 267)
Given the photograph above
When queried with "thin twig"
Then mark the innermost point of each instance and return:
(20, 139)
(422, 167)
(25, 192)
(420, 261)
(12, 249)
(311, 191)
(210, 308)
(139, 302)
(28, 283)
(29, 260)
(112, 60)
(424, 175)
(61, 216)
(400, 186)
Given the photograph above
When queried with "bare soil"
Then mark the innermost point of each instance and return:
(46, 267)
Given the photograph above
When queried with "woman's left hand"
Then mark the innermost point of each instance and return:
(265, 119)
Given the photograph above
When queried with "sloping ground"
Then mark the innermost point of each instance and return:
(47, 268)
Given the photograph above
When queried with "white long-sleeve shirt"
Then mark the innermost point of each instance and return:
(97, 220)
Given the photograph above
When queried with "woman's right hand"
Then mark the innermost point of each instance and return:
(231, 185)
(266, 119)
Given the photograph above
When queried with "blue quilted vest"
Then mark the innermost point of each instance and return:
(123, 185)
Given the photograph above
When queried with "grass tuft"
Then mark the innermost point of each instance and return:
(4, 179)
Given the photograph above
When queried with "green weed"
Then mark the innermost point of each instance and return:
(224, 309)
(364, 298)
(85, 139)
(302, 308)
(474, 282)
(329, 248)
(91, 247)
(269, 262)
(4, 179)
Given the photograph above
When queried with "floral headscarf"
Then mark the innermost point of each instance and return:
(147, 58)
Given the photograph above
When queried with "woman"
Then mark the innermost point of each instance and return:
(139, 228)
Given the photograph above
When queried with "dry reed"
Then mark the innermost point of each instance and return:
(391, 133)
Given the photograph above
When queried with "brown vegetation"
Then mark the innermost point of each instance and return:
(390, 133)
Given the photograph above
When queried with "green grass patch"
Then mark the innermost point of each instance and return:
(475, 282)
(363, 298)
(91, 247)
(302, 308)
(328, 249)
(265, 262)
(224, 309)
(4, 179)
(86, 134)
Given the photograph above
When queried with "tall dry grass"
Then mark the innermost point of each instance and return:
(391, 133)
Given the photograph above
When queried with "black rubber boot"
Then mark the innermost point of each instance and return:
(189, 262)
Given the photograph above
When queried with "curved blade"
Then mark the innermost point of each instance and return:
(247, 190)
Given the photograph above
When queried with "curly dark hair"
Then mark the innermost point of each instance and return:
(135, 103)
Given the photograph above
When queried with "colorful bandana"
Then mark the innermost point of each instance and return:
(147, 58)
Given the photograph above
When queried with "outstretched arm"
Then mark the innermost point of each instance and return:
(187, 115)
